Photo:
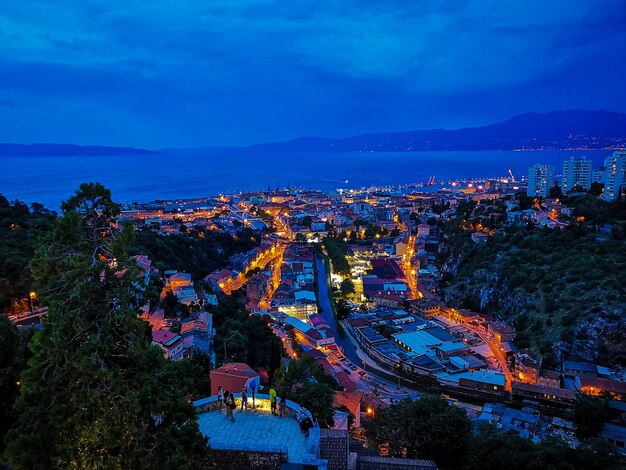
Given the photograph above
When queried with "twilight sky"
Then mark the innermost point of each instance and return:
(182, 73)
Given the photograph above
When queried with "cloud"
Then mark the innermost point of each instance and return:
(238, 71)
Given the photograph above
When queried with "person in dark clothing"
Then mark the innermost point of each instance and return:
(220, 397)
(229, 401)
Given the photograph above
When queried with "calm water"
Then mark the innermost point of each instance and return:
(49, 180)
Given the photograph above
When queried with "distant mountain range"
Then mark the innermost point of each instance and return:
(67, 150)
(556, 130)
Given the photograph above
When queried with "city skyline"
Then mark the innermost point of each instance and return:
(182, 74)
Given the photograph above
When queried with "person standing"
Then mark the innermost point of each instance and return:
(229, 401)
(282, 405)
(253, 392)
(220, 397)
(244, 398)
(273, 401)
(300, 418)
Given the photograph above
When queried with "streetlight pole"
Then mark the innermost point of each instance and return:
(32, 308)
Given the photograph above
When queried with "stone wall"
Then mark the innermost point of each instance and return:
(389, 463)
(238, 459)
(334, 445)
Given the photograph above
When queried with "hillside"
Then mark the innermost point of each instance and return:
(565, 129)
(67, 150)
(565, 291)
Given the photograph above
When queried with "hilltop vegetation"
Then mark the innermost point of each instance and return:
(431, 428)
(564, 290)
(96, 393)
(20, 227)
(198, 251)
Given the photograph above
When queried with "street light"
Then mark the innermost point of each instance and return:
(32, 296)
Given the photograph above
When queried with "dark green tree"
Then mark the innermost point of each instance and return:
(318, 399)
(19, 232)
(305, 383)
(589, 416)
(12, 362)
(428, 428)
(152, 292)
(96, 392)
(556, 192)
(171, 307)
(342, 309)
(492, 449)
(193, 374)
(346, 288)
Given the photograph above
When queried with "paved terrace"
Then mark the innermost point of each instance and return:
(258, 430)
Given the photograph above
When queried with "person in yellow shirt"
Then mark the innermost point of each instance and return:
(273, 400)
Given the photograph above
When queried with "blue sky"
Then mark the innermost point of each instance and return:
(223, 72)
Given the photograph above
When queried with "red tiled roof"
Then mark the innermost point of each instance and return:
(231, 377)
(605, 385)
(163, 336)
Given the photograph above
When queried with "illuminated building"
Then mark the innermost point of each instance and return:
(614, 175)
(540, 178)
(577, 171)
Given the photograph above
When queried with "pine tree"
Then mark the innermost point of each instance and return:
(96, 393)
(12, 362)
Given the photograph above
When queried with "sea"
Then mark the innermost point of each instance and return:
(195, 174)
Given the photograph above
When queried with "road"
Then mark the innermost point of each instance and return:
(348, 358)
(495, 349)
(499, 355)
(409, 268)
(326, 310)
(237, 282)
(264, 302)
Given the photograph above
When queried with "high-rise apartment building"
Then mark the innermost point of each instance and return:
(540, 179)
(577, 171)
(614, 175)
(598, 175)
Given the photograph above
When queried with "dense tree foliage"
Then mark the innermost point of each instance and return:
(492, 449)
(96, 393)
(337, 250)
(193, 375)
(198, 252)
(318, 399)
(19, 230)
(241, 336)
(12, 362)
(304, 382)
(430, 428)
(589, 416)
(342, 309)
(346, 288)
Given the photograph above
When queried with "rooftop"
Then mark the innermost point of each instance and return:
(257, 430)
(164, 337)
